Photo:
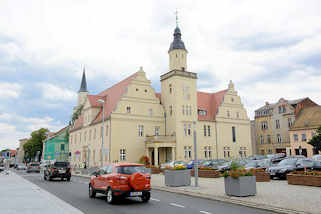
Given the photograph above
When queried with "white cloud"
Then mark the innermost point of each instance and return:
(9, 90)
(56, 93)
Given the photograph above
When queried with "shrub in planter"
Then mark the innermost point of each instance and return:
(177, 176)
(239, 182)
(311, 178)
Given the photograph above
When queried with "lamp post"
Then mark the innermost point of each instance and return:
(195, 155)
(102, 132)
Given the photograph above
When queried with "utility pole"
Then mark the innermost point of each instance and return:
(195, 155)
(102, 132)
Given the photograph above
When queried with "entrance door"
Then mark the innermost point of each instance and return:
(304, 152)
(282, 150)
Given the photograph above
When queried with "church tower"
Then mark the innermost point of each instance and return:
(83, 92)
(179, 96)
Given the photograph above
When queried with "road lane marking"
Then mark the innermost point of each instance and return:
(205, 212)
(177, 205)
(154, 199)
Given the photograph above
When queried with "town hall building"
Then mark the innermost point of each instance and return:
(130, 120)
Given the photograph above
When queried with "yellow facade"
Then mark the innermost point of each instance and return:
(142, 124)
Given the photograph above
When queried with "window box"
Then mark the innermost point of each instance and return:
(242, 186)
(306, 180)
(176, 178)
(207, 173)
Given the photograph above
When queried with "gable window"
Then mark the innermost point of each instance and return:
(157, 130)
(277, 124)
(128, 109)
(296, 137)
(233, 134)
(208, 130)
(278, 138)
(204, 130)
(304, 137)
(123, 154)
(140, 130)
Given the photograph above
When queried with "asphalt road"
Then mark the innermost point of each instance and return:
(75, 193)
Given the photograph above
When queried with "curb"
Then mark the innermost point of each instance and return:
(233, 201)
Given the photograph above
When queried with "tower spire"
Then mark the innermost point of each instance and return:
(176, 13)
(83, 85)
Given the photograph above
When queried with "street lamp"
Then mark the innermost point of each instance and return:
(102, 133)
(195, 155)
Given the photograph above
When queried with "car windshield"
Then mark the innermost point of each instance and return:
(128, 170)
(287, 162)
(34, 164)
(61, 164)
(180, 163)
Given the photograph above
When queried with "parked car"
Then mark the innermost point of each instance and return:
(33, 167)
(58, 169)
(172, 164)
(190, 165)
(121, 180)
(264, 164)
(1, 167)
(257, 157)
(289, 165)
(213, 163)
(316, 157)
(21, 166)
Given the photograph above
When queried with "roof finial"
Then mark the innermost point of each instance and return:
(176, 13)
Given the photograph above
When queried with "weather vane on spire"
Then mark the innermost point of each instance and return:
(176, 13)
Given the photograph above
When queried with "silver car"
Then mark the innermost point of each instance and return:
(21, 167)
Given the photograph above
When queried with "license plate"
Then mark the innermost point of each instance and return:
(62, 171)
(136, 193)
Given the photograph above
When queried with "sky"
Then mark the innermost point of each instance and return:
(269, 49)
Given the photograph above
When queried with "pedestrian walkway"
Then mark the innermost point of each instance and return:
(17, 196)
(276, 195)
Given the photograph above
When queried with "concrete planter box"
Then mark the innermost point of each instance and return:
(306, 180)
(176, 178)
(242, 186)
(207, 173)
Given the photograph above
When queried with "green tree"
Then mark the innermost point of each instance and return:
(34, 144)
(316, 141)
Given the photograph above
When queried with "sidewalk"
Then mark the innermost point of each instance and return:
(17, 196)
(276, 195)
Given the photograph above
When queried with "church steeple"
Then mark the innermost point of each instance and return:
(83, 86)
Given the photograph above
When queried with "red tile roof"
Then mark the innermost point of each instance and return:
(111, 96)
(209, 102)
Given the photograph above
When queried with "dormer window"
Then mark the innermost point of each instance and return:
(128, 109)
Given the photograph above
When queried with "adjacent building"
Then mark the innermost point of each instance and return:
(303, 129)
(56, 146)
(273, 121)
(20, 151)
(129, 119)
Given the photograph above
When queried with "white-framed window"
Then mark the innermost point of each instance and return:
(189, 130)
(187, 152)
(304, 137)
(264, 125)
(262, 139)
(157, 128)
(227, 152)
(290, 122)
(278, 138)
(185, 130)
(140, 130)
(207, 152)
(295, 137)
(123, 154)
(277, 124)
(128, 109)
(243, 152)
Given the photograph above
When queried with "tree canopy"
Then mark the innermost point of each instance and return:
(316, 140)
(34, 144)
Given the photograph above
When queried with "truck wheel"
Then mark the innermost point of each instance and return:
(110, 196)
(146, 197)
